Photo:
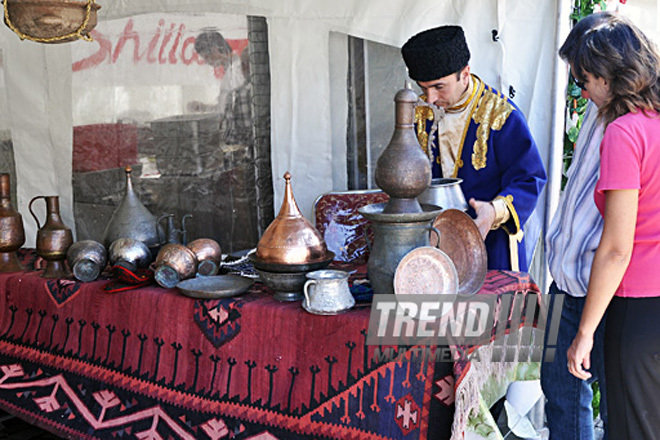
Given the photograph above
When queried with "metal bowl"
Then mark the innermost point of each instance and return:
(291, 268)
(287, 286)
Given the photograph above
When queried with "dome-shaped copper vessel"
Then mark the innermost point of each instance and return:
(290, 239)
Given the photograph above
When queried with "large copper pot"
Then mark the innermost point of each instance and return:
(53, 239)
(12, 234)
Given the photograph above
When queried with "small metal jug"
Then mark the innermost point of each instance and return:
(172, 234)
(327, 293)
(53, 239)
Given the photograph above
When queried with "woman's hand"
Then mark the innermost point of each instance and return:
(579, 355)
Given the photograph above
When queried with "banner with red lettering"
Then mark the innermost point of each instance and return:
(145, 67)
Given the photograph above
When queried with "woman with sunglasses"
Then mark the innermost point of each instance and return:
(619, 68)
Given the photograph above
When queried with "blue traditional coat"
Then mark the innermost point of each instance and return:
(497, 158)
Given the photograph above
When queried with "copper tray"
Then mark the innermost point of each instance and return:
(220, 286)
(461, 240)
(425, 270)
(287, 268)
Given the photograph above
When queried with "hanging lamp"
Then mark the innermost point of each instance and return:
(51, 21)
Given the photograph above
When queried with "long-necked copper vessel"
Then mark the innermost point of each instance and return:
(12, 233)
(290, 239)
(53, 239)
(403, 171)
(401, 225)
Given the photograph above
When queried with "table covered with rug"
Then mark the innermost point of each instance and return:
(150, 363)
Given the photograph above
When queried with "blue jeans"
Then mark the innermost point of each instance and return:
(568, 407)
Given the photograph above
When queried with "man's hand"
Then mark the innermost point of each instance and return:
(485, 216)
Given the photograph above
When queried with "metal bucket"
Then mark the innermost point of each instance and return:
(445, 193)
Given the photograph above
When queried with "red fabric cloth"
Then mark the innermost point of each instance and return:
(152, 362)
(99, 147)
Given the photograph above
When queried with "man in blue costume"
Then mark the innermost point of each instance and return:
(472, 132)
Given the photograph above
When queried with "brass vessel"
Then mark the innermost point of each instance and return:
(53, 239)
(290, 239)
(132, 219)
(12, 233)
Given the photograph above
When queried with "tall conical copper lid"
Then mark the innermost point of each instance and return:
(290, 238)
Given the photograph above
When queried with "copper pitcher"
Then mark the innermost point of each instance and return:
(12, 234)
(53, 239)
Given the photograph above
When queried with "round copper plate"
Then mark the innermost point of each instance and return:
(461, 240)
(425, 270)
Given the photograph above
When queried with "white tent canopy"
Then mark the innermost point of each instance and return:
(305, 137)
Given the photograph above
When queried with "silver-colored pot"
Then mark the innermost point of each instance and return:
(445, 193)
(129, 253)
(87, 258)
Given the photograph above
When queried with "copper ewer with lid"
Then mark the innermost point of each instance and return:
(12, 233)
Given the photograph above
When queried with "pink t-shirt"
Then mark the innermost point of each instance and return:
(630, 159)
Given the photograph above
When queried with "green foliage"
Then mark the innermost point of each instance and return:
(595, 402)
(575, 104)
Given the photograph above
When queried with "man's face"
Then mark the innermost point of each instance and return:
(216, 58)
(447, 91)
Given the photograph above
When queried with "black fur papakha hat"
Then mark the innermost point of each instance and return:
(436, 53)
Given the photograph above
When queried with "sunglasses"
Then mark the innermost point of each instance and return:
(577, 82)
